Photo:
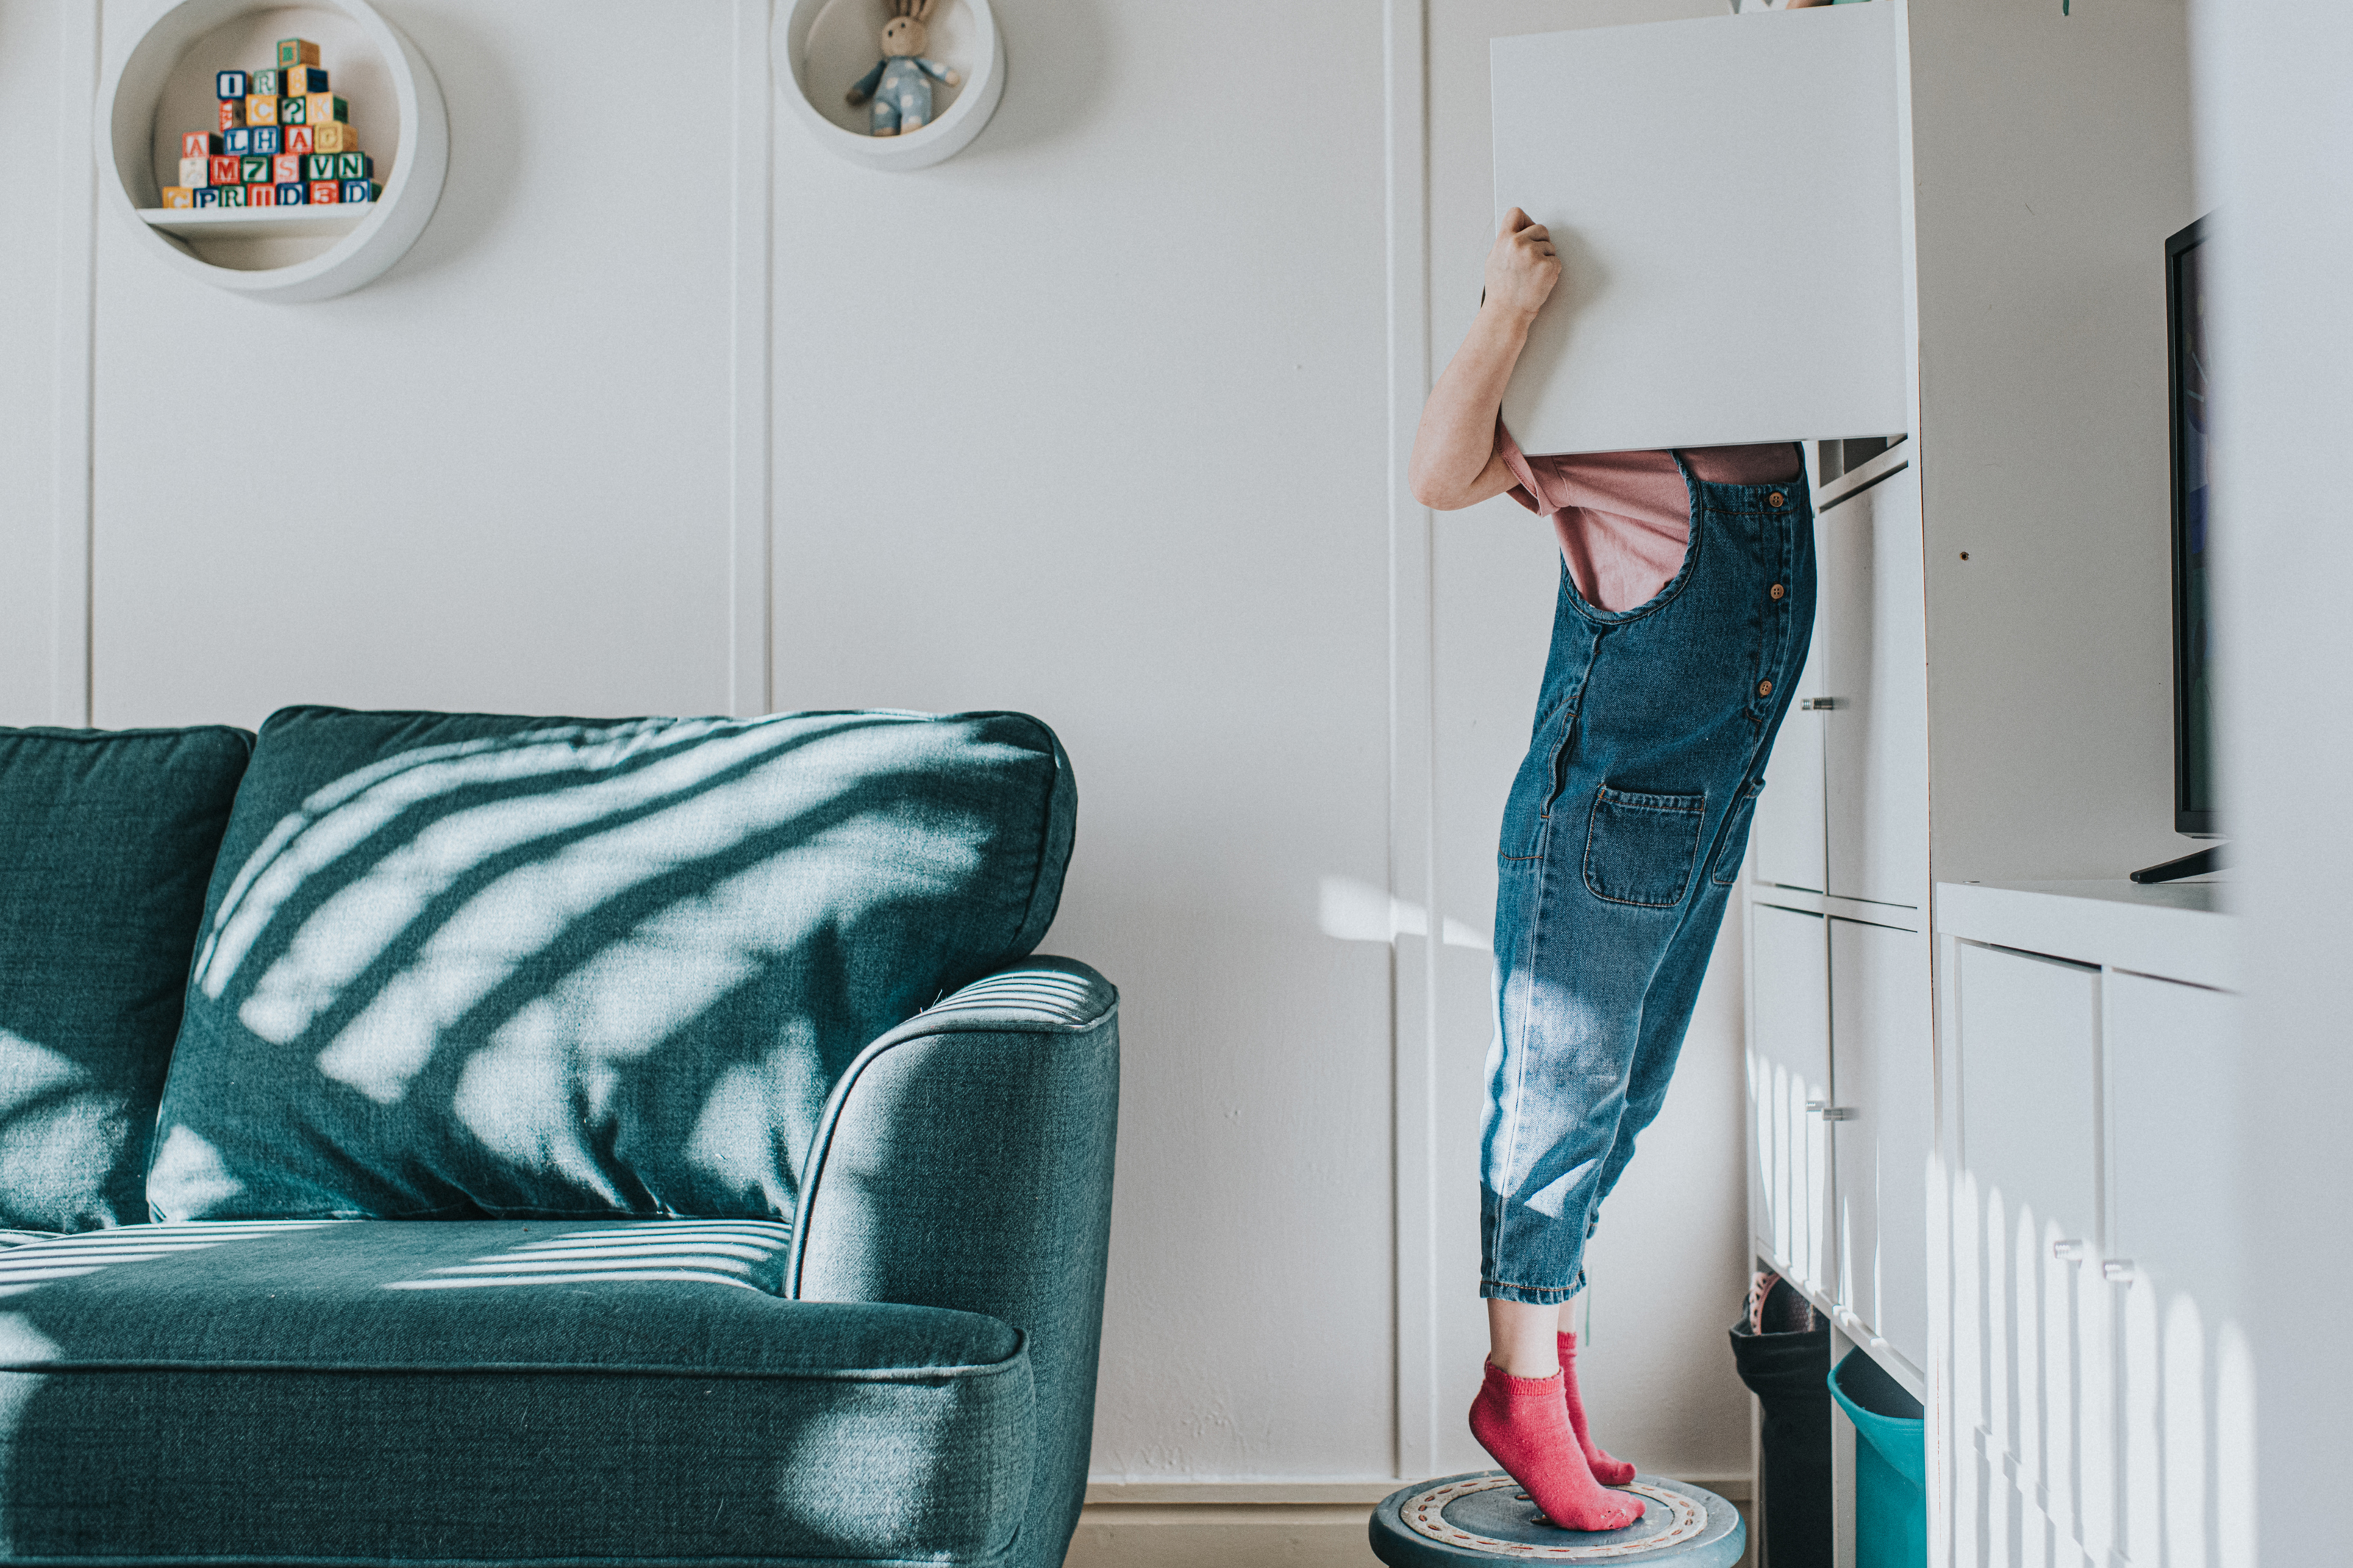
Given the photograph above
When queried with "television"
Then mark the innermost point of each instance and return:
(2196, 807)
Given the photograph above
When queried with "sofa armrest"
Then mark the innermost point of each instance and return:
(965, 1160)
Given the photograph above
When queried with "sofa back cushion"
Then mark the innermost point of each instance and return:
(467, 966)
(107, 841)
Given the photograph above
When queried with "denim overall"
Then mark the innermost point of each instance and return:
(1622, 837)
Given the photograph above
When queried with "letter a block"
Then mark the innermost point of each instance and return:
(179, 196)
(298, 139)
(297, 52)
(200, 144)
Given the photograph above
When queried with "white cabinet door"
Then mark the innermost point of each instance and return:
(2171, 1070)
(1787, 828)
(1788, 1084)
(1882, 1073)
(1664, 155)
(1874, 647)
(2027, 1283)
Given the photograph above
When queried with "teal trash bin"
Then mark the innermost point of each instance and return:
(1891, 1464)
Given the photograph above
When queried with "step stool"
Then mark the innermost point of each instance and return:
(1485, 1518)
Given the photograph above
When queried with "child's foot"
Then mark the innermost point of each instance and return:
(1524, 1423)
(1610, 1472)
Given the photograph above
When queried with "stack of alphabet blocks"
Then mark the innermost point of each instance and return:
(283, 140)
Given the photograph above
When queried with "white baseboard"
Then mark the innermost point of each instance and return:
(1247, 1523)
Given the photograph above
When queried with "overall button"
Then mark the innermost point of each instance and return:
(1764, 688)
(1777, 590)
(1776, 499)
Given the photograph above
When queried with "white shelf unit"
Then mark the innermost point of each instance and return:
(257, 223)
(161, 84)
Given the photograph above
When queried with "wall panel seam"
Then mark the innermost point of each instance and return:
(70, 652)
(751, 530)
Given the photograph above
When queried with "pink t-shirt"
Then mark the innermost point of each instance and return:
(1623, 519)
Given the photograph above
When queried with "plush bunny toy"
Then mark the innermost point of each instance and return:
(902, 98)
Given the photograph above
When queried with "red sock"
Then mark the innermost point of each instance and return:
(1610, 1472)
(1522, 1421)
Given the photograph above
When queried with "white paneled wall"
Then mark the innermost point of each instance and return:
(1093, 421)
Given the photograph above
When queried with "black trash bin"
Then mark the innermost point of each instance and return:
(1782, 1347)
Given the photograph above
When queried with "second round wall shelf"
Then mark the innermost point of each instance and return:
(272, 253)
(827, 45)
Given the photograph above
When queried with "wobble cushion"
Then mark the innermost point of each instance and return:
(462, 965)
(107, 840)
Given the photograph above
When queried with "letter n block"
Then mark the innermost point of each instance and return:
(354, 166)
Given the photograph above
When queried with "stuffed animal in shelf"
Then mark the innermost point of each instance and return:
(897, 84)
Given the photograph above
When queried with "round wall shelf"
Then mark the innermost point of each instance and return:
(291, 254)
(827, 45)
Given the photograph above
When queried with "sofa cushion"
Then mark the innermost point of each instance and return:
(462, 965)
(342, 1392)
(107, 840)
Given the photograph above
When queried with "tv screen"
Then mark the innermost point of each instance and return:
(2195, 806)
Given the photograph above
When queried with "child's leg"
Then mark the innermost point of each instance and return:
(1524, 1339)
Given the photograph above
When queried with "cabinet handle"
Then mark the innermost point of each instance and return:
(2119, 1271)
(1829, 1112)
(2067, 1251)
(1817, 704)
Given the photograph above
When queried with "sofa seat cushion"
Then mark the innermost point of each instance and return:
(491, 1390)
(464, 966)
(107, 840)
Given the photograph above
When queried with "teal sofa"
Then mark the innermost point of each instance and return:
(463, 1138)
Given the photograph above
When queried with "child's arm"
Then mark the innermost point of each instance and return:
(1454, 462)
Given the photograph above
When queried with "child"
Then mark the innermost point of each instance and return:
(1686, 600)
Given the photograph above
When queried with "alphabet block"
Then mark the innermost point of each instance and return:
(230, 195)
(200, 144)
(226, 171)
(293, 194)
(360, 191)
(266, 141)
(354, 166)
(253, 171)
(260, 195)
(260, 110)
(325, 193)
(265, 83)
(196, 174)
(298, 139)
(232, 113)
(297, 52)
(239, 142)
(231, 84)
(293, 80)
(208, 197)
(285, 166)
(320, 108)
(179, 196)
(333, 136)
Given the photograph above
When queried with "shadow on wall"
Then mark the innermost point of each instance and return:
(1055, 71)
(522, 977)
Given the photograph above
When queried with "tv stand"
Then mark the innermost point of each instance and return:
(2192, 865)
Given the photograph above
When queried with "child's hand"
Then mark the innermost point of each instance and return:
(1523, 266)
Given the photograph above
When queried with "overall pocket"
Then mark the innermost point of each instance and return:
(1733, 846)
(1640, 848)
